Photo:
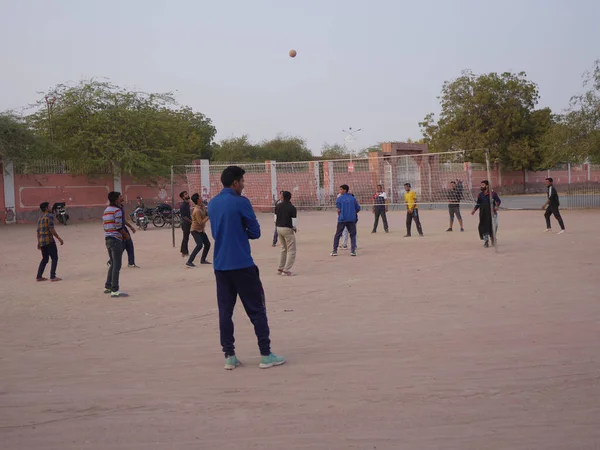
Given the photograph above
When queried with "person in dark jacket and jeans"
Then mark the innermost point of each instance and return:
(233, 223)
(551, 207)
(186, 222)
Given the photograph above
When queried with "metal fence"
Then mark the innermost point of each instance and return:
(582, 197)
(55, 166)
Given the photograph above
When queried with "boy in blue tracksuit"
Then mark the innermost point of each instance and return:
(347, 208)
(232, 223)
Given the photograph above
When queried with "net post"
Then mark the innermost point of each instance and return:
(489, 174)
(391, 177)
(205, 178)
(173, 205)
(331, 180)
(273, 168)
(317, 182)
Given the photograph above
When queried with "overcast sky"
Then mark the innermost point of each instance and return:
(377, 65)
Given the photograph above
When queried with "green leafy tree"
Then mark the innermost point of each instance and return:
(582, 121)
(494, 111)
(335, 151)
(17, 142)
(138, 133)
(280, 149)
(238, 149)
(286, 149)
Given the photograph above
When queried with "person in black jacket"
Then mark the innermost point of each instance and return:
(551, 207)
(186, 222)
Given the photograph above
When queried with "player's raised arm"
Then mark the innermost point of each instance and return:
(252, 225)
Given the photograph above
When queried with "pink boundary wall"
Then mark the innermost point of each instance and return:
(85, 196)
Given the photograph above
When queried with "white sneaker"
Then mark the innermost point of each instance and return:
(548, 230)
(119, 294)
(562, 231)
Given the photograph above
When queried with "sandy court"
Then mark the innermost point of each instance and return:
(420, 343)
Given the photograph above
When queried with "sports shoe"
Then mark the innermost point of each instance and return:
(344, 247)
(407, 235)
(287, 273)
(270, 361)
(55, 279)
(352, 253)
(133, 266)
(462, 230)
(548, 230)
(107, 291)
(562, 231)
(421, 235)
(119, 294)
(190, 265)
(231, 362)
(449, 229)
(486, 244)
(205, 262)
(334, 253)
(41, 279)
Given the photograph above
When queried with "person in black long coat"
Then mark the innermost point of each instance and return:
(487, 217)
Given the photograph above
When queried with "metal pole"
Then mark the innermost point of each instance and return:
(489, 174)
(173, 205)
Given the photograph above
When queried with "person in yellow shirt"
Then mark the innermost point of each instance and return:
(412, 210)
(199, 219)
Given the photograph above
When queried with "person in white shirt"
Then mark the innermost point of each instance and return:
(380, 209)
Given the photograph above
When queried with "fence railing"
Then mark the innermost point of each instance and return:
(582, 197)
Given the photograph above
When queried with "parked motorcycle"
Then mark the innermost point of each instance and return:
(59, 211)
(163, 215)
(139, 218)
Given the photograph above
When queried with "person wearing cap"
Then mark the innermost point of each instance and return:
(551, 207)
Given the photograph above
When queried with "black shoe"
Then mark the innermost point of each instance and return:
(190, 265)
(205, 262)
(449, 229)
(387, 231)
(486, 244)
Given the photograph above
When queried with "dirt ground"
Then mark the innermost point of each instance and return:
(420, 343)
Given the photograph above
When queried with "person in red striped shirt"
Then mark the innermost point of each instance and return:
(114, 235)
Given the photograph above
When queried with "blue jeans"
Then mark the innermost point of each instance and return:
(245, 283)
(49, 251)
(128, 246)
(351, 226)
